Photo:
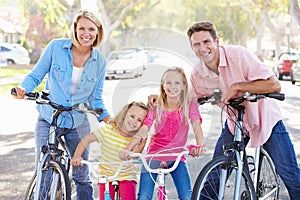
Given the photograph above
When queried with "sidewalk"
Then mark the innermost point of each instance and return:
(16, 79)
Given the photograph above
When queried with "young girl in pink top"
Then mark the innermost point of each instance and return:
(171, 119)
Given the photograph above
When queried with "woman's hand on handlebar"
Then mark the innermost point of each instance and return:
(20, 93)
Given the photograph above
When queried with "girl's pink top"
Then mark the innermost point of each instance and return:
(171, 132)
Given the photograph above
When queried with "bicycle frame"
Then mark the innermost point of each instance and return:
(52, 150)
(238, 149)
(52, 156)
(161, 183)
(161, 171)
(235, 158)
(107, 179)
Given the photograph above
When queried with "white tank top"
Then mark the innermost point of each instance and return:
(76, 76)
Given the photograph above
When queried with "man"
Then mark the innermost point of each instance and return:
(235, 70)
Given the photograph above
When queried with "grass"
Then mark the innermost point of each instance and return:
(9, 72)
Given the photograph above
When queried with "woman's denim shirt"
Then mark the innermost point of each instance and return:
(56, 63)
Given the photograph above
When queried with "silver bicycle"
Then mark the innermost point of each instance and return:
(51, 178)
(235, 175)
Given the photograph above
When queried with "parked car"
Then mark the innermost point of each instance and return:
(295, 72)
(14, 54)
(124, 64)
(141, 53)
(284, 65)
(3, 61)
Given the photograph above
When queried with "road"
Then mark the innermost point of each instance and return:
(18, 118)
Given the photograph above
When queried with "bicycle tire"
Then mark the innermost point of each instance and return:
(268, 184)
(59, 180)
(206, 188)
(29, 194)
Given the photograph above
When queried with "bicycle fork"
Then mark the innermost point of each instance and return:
(224, 175)
(43, 158)
(104, 181)
(161, 187)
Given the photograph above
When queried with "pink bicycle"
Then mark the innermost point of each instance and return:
(104, 181)
(162, 171)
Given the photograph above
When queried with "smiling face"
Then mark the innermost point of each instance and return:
(204, 46)
(173, 84)
(133, 120)
(86, 32)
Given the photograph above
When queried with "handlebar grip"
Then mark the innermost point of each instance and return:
(278, 96)
(99, 111)
(13, 92)
(33, 95)
(202, 101)
(85, 162)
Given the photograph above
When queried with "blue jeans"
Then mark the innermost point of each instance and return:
(180, 177)
(280, 149)
(72, 137)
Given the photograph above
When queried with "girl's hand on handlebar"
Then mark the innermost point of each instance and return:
(76, 161)
(197, 150)
(124, 154)
(20, 93)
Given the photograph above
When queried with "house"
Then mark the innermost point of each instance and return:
(8, 32)
(11, 24)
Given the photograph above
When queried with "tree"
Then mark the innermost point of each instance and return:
(237, 21)
(294, 10)
(123, 15)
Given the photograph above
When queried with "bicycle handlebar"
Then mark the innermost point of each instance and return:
(216, 98)
(163, 170)
(117, 172)
(255, 97)
(42, 98)
(213, 98)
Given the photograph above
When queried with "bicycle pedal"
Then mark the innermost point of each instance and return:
(251, 163)
(250, 160)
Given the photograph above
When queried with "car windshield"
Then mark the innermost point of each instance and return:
(121, 55)
(286, 56)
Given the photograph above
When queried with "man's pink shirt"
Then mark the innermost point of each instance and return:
(237, 64)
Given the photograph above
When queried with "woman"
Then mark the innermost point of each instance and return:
(75, 73)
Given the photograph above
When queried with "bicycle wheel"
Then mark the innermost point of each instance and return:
(30, 190)
(207, 182)
(268, 184)
(55, 180)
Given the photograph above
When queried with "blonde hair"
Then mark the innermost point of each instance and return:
(184, 96)
(118, 120)
(95, 19)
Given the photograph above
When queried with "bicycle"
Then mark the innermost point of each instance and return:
(55, 161)
(163, 168)
(236, 175)
(104, 180)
